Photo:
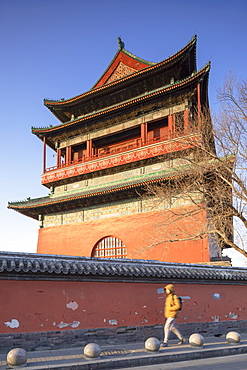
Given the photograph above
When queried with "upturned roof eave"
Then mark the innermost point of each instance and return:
(31, 207)
(52, 103)
(25, 207)
(168, 88)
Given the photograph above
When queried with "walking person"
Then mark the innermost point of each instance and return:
(172, 306)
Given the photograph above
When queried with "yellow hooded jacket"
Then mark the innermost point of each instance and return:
(172, 304)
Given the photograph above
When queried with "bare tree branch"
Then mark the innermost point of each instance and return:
(212, 177)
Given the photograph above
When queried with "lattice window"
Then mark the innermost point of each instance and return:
(109, 247)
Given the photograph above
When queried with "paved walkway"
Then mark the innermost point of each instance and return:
(129, 355)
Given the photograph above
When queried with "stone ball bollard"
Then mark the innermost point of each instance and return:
(17, 357)
(152, 344)
(233, 337)
(92, 350)
(196, 340)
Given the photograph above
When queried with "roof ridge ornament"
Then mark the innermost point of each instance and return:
(120, 44)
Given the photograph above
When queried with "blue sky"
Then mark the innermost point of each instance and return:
(59, 48)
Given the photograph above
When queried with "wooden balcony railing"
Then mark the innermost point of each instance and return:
(120, 148)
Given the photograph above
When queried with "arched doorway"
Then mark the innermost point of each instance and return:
(109, 247)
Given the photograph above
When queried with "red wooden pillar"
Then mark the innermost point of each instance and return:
(58, 157)
(199, 103)
(170, 125)
(89, 148)
(144, 133)
(186, 121)
(68, 154)
(44, 154)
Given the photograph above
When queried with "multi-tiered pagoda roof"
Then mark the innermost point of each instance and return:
(128, 81)
(129, 88)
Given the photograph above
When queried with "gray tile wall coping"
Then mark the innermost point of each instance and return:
(49, 267)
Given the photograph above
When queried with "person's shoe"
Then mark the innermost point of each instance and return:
(181, 341)
(164, 345)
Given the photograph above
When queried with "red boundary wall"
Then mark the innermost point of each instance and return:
(51, 301)
(33, 306)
